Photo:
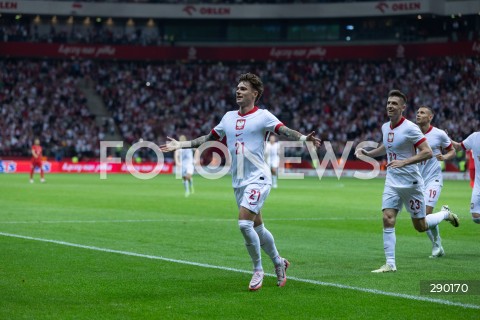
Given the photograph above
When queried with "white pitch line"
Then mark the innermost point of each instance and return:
(181, 220)
(210, 266)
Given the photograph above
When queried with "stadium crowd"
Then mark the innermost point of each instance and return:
(341, 100)
(41, 99)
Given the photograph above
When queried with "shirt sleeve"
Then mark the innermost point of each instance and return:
(468, 143)
(219, 131)
(272, 123)
(446, 142)
(416, 136)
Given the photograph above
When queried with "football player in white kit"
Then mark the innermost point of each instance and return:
(431, 171)
(272, 158)
(245, 130)
(403, 184)
(184, 162)
(473, 143)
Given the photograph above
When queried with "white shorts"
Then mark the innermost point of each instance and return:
(187, 170)
(412, 198)
(252, 196)
(273, 163)
(475, 202)
(431, 193)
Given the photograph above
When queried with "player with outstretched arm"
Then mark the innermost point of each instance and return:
(246, 130)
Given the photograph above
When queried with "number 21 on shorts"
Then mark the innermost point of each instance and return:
(254, 196)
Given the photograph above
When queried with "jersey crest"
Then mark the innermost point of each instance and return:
(240, 124)
(390, 137)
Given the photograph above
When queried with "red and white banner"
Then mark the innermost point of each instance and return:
(23, 166)
(25, 49)
(239, 11)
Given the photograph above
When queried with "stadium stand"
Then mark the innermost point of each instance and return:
(343, 101)
(41, 99)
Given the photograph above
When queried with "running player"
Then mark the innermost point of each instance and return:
(245, 130)
(403, 184)
(432, 172)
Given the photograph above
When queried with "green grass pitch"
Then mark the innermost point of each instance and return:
(78, 247)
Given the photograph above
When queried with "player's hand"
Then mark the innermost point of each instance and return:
(316, 142)
(456, 145)
(360, 152)
(440, 157)
(396, 164)
(171, 145)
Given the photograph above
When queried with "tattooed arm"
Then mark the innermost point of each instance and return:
(297, 136)
(195, 143)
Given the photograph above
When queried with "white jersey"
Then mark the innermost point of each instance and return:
(400, 143)
(246, 135)
(430, 169)
(473, 143)
(186, 157)
(186, 164)
(271, 154)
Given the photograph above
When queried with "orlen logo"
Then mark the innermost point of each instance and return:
(8, 5)
(384, 7)
(206, 11)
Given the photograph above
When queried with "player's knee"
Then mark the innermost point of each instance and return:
(388, 221)
(420, 228)
(476, 220)
(245, 226)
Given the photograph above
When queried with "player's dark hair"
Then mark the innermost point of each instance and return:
(398, 93)
(428, 108)
(254, 81)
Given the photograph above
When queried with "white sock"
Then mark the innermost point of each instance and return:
(434, 235)
(430, 235)
(267, 243)
(435, 218)
(185, 184)
(252, 242)
(389, 241)
(274, 178)
(190, 183)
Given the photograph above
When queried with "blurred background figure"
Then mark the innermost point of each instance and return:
(37, 160)
(272, 158)
(184, 161)
(471, 168)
